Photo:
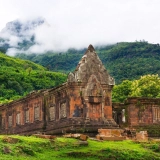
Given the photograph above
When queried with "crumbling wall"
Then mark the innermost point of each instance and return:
(140, 113)
(23, 115)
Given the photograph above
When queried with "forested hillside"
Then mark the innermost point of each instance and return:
(132, 60)
(19, 77)
(126, 60)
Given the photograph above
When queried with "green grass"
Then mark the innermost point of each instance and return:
(68, 149)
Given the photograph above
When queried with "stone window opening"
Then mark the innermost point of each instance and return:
(123, 116)
(52, 112)
(156, 114)
(3, 122)
(10, 123)
(18, 118)
(36, 113)
(26, 116)
(63, 113)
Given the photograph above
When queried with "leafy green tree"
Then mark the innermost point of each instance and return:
(146, 86)
(121, 91)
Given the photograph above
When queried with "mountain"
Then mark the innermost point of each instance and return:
(19, 34)
(19, 77)
(125, 60)
(19, 28)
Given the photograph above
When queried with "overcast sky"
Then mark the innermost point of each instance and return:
(78, 23)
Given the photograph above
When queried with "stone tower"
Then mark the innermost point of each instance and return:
(95, 86)
(90, 65)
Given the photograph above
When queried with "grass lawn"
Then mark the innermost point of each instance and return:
(27, 148)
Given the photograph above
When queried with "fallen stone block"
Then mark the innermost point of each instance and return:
(83, 137)
(142, 136)
(105, 132)
(110, 132)
(76, 135)
(67, 135)
(98, 137)
(116, 132)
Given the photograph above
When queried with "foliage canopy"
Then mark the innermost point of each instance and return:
(146, 86)
(19, 77)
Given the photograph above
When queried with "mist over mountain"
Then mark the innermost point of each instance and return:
(20, 28)
(43, 43)
(39, 36)
(18, 36)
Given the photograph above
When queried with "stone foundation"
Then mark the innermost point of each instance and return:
(110, 134)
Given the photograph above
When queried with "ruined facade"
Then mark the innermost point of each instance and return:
(82, 104)
(139, 113)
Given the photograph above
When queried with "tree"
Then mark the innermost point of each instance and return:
(121, 91)
(146, 86)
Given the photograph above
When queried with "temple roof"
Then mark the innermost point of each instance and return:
(90, 48)
(90, 64)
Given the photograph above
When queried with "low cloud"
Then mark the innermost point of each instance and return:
(76, 24)
(47, 38)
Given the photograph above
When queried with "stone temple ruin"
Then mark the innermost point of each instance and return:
(81, 105)
(140, 113)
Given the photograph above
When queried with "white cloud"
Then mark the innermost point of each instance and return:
(77, 23)
(12, 51)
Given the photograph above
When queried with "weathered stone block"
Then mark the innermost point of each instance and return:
(83, 137)
(104, 132)
(142, 136)
(116, 133)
